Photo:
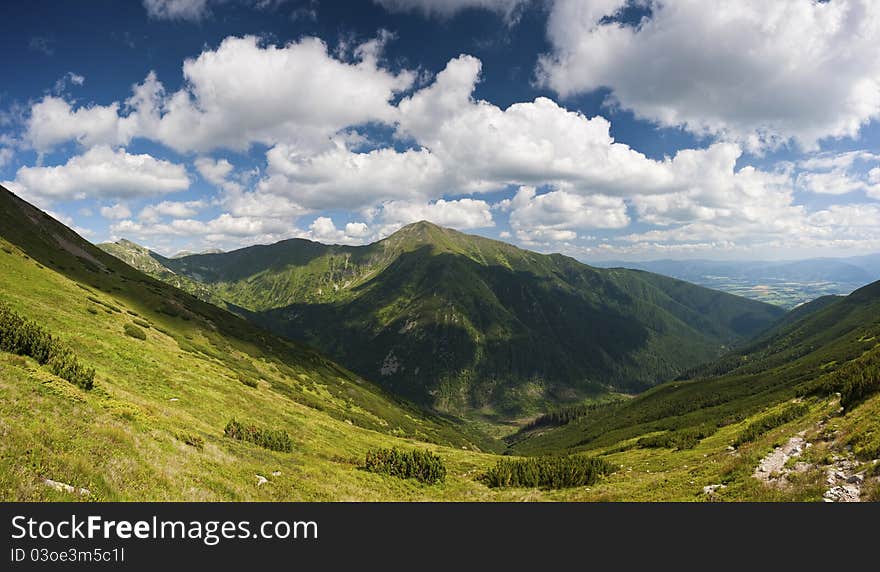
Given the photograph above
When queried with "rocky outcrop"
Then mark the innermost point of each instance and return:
(844, 482)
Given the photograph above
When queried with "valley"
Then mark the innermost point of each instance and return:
(466, 325)
(155, 426)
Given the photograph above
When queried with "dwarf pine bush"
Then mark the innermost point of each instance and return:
(27, 338)
(548, 472)
(248, 381)
(423, 466)
(768, 422)
(135, 332)
(273, 439)
(686, 438)
(856, 381)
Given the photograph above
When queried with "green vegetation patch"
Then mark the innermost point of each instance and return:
(192, 440)
(272, 439)
(135, 332)
(548, 472)
(423, 466)
(247, 380)
(567, 414)
(107, 306)
(856, 381)
(772, 421)
(24, 337)
(680, 439)
(142, 323)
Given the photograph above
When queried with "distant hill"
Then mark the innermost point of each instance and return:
(461, 322)
(785, 283)
(183, 253)
(155, 265)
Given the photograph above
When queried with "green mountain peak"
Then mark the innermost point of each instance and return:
(462, 322)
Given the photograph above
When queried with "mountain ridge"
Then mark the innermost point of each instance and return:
(461, 322)
(793, 360)
(152, 427)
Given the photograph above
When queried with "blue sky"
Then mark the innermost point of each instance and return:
(604, 129)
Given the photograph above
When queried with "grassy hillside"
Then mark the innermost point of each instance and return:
(795, 416)
(795, 359)
(464, 323)
(152, 427)
(196, 369)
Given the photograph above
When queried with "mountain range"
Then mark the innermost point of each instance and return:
(460, 323)
(190, 401)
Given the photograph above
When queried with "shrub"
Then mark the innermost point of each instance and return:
(248, 381)
(768, 422)
(110, 308)
(64, 364)
(168, 310)
(273, 439)
(566, 414)
(141, 323)
(686, 438)
(548, 472)
(423, 466)
(135, 332)
(856, 381)
(92, 310)
(192, 440)
(24, 337)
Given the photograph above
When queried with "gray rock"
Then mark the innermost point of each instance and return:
(65, 488)
(857, 479)
(711, 489)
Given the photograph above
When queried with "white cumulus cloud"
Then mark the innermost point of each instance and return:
(243, 92)
(485, 147)
(754, 71)
(116, 212)
(175, 209)
(555, 214)
(102, 172)
(462, 214)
